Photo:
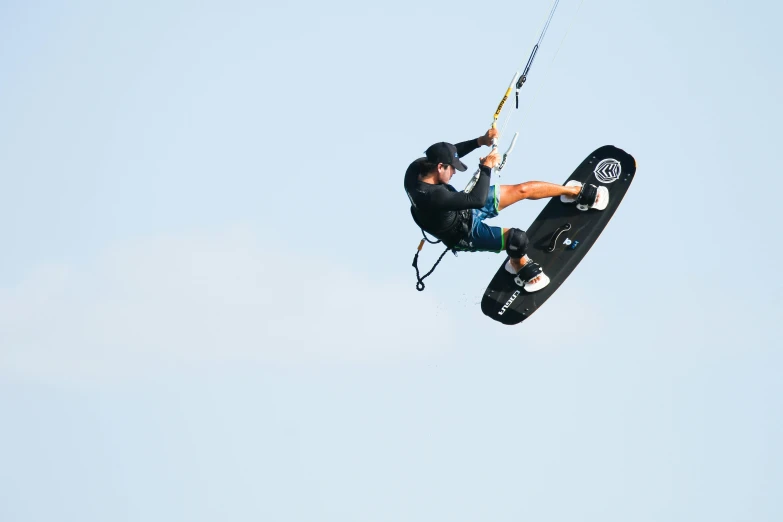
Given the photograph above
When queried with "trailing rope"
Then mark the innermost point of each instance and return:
(420, 279)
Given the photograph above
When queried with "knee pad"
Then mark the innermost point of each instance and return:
(516, 244)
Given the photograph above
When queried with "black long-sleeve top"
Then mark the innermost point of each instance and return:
(436, 207)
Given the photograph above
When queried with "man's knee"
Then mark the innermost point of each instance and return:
(516, 243)
(523, 189)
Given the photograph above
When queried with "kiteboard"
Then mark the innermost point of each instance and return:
(561, 236)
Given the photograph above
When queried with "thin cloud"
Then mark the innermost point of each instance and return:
(219, 297)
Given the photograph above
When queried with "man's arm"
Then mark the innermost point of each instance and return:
(466, 147)
(445, 200)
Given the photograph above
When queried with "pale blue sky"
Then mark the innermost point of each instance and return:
(207, 308)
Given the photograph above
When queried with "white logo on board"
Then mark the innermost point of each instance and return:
(508, 303)
(608, 170)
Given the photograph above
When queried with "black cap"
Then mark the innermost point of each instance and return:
(445, 153)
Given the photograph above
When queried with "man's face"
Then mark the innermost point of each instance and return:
(445, 172)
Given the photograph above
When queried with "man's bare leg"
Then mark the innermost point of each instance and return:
(510, 194)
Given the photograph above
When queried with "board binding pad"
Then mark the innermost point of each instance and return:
(561, 236)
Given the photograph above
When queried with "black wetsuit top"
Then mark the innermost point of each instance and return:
(436, 208)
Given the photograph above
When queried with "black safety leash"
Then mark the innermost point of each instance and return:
(420, 279)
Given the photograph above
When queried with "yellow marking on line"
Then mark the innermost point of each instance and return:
(502, 102)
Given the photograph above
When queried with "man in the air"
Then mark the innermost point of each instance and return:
(457, 218)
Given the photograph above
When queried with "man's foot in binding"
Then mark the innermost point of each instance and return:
(529, 275)
(589, 197)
